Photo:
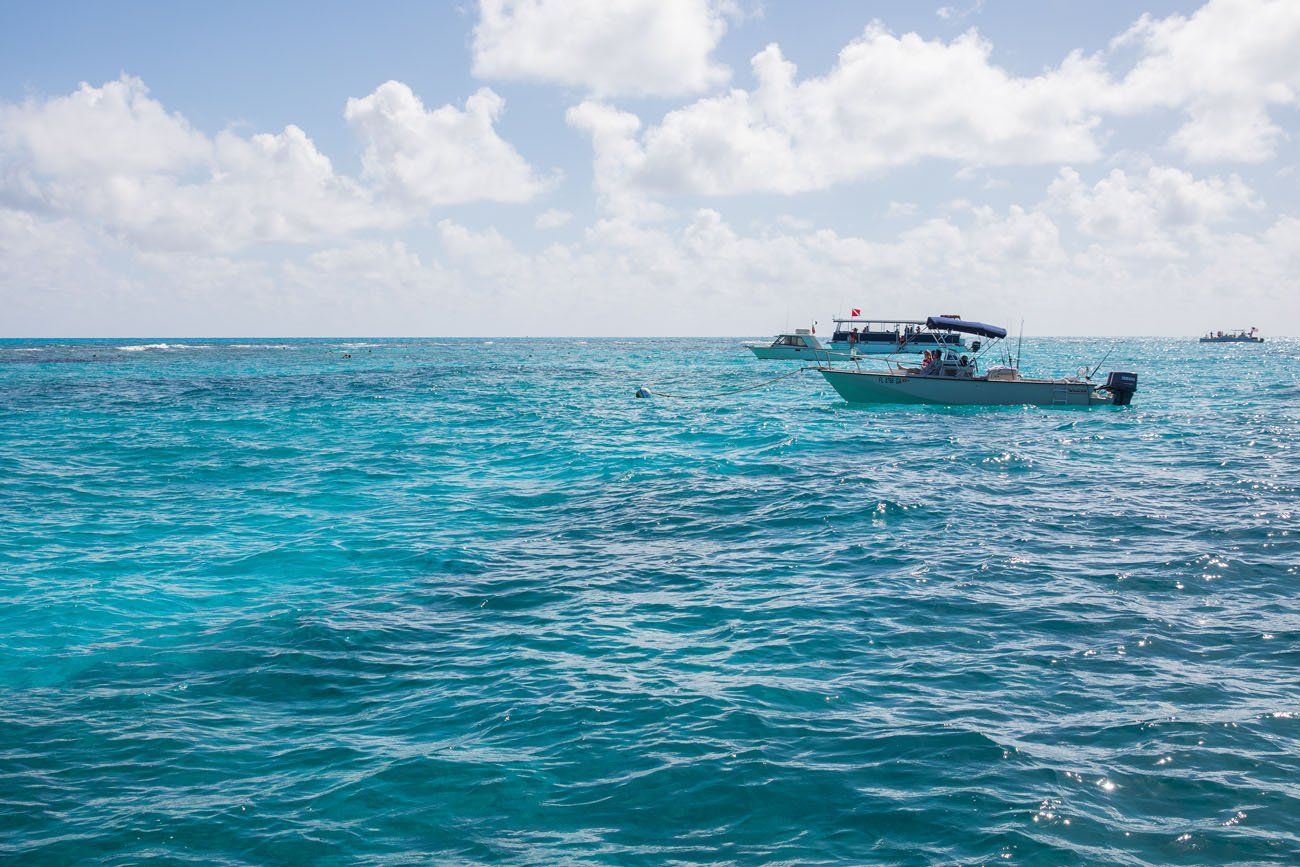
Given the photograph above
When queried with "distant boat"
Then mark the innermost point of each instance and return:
(952, 377)
(1241, 335)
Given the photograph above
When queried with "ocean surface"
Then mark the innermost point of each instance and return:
(470, 601)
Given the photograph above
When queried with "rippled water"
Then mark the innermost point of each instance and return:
(470, 601)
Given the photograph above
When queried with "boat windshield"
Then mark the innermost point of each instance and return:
(948, 363)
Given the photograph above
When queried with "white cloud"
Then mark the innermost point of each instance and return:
(1067, 264)
(28, 240)
(952, 13)
(116, 213)
(95, 131)
(703, 276)
(113, 156)
(440, 157)
(552, 218)
(1154, 214)
(607, 47)
(263, 188)
(45, 266)
(1225, 66)
(488, 246)
(375, 287)
(897, 100)
(887, 102)
(366, 265)
(1241, 268)
(1064, 264)
(619, 158)
(790, 221)
(60, 276)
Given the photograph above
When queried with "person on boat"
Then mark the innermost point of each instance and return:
(853, 336)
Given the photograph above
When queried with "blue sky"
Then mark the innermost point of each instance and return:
(628, 169)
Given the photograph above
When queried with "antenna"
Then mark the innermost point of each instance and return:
(1019, 341)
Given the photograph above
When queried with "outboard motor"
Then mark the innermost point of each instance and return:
(1121, 385)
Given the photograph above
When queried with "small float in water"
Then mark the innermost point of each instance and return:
(950, 376)
(1241, 335)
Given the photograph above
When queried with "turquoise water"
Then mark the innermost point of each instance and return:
(469, 601)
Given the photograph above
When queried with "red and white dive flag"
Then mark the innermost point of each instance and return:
(856, 311)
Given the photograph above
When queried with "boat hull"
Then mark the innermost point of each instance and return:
(1232, 340)
(798, 353)
(866, 387)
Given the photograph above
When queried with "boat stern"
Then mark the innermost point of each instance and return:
(1120, 385)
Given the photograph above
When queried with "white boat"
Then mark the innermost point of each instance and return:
(799, 345)
(890, 336)
(955, 378)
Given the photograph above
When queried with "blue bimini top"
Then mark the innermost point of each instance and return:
(947, 323)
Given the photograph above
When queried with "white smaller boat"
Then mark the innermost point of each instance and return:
(799, 345)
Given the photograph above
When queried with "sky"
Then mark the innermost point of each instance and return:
(646, 167)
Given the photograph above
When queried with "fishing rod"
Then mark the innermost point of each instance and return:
(1103, 361)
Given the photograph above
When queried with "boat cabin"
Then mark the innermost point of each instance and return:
(888, 334)
(801, 339)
